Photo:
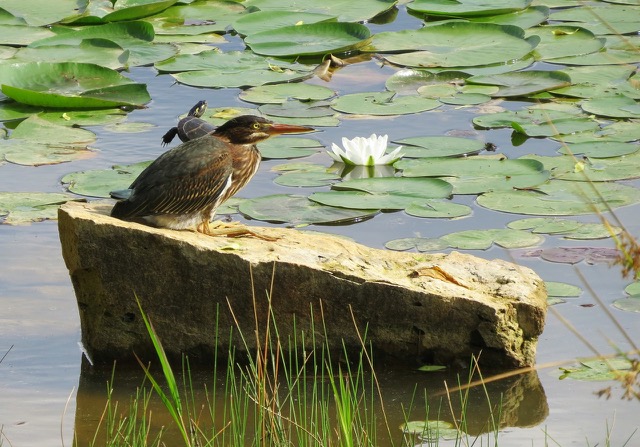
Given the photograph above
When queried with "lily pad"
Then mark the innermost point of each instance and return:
(383, 193)
(630, 304)
(77, 118)
(454, 44)
(291, 147)
(467, 8)
(574, 255)
(562, 289)
(280, 93)
(260, 21)
(566, 167)
(299, 210)
(474, 175)
(417, 243)
(484, 239)
(596, 370)
(309, 40)
(100, 182)
(345, 10)
(383, 103)
(21, 34)
(523, 83)
(33, 12)
(70, 85)
(432, 430)
(105, 53)
(538, 123)
(567, 228)
(618, 106)
(601, 19)
(557, 198)
(599, 81)
(438, 209)
(562, 41)
(439, 146)
(306, 179)
(525, 18)
(20, 208)
(599, 149)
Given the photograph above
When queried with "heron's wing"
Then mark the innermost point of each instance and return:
(183, 180)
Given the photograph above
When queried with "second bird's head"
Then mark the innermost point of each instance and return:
(251, 129)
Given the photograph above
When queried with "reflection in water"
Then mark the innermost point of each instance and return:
(351, 172)
(519, 401)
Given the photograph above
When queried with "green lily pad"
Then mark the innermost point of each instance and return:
(260, 21)
(524, 19)
(484, 239)
(70, 85)
(618, 106)
(36, 142)
(439, 146)
(136, 9)
(438, 209)
(432, 430)
(523, 83)
(562, 289)
(467, 8)
(100, 182)
(630, 304)
(599, 81)
(100, 52)
(596, 370)
(538, 122)
(474, 175)
(383, 193)
(307, 179)
(217, 16)
(280, 93)
(298, 109)
(309, 40)
(599, 149)
(22, 35)
(299, 210)
(77, 118)
(12, 110)
(561, 41)
(417, 243)
(36, 14)
(129, 127)
(566, 167)
(291, 147)
(383, 103)
(454, 44)
(557, 198)
(345, 10)
(601, 19)
(567, 228)
(21, 208)
(633, 289)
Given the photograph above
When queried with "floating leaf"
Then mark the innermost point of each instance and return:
(309, 40)
(523, 83)
(439, 146)
(566, 167)
(417, 243)
(260, 21)
(597, 370)
(438, 209)
(307, 179)
(567, 228)
(562, 41)
(633, 289)
(599, 81)
(473, 175)
(599, 149)
(382, 193)
(557, 198)
(618, 106)
(346, 10)
(601, 19)
(453, 44)
(562, 289)
(291, 147)
(484, 239)
(100, 182)
(280, 93)
(525, 18)
(298, 210)
(631, 304)
(432, 430)
(70, 85)
(538, 123)
(20, 208)
(573, 255)
(382, 103)
(36, 15)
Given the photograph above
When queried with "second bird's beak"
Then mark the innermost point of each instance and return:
(277, 129)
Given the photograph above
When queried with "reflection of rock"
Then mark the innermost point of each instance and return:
(413, 306)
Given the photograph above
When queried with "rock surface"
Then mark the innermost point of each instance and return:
(200, 291)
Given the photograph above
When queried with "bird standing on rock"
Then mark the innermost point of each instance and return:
(183, 187)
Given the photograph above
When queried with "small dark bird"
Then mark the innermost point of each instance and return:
(183, 187)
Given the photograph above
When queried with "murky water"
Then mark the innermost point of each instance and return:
(44, 394)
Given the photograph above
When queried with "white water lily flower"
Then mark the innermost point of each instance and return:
(365, 151)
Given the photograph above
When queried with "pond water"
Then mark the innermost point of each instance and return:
(45, 392)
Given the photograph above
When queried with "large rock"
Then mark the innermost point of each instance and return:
(195, 288)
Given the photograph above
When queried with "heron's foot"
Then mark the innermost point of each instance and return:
(231, 229)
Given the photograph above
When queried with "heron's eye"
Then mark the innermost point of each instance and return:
(256, 126)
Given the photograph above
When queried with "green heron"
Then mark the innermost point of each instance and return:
(183, 187)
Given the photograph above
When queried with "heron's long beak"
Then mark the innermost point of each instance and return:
(277, 129)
